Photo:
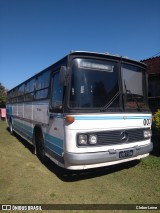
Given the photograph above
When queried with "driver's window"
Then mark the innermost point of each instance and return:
(57, 94)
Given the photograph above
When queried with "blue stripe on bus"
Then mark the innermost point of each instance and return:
(103, 117)
(53, 143)
(110, 117)
(23, 127)
(53, 147)
(54, 140)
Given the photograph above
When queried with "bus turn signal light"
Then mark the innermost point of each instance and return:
(69, 119)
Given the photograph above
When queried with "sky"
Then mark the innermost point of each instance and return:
(36, 33)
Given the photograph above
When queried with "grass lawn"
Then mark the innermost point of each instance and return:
(25, 180)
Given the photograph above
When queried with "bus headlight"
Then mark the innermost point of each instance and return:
(147, 133)
(82, 139)
(92, 139)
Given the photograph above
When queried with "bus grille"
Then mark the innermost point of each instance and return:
(115, 137)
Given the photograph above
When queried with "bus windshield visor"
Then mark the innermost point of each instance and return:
(94, 83)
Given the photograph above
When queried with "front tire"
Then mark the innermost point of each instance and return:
(40, 148)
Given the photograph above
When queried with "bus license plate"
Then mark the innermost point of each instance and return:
(125, 154)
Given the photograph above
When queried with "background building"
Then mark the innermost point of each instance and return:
(153, 82)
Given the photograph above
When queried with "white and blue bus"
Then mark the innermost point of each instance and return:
(86, 110)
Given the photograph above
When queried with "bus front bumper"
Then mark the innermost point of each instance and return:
(106, 156)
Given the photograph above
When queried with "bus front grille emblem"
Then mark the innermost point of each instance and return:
(124, 137)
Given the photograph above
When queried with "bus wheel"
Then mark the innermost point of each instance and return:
(39, 143)
(11, 127)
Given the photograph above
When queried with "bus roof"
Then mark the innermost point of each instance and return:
(90, 54)
(108, 55)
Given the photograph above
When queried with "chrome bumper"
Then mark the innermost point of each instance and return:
(102, 157)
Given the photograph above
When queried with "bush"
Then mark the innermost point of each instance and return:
(157, 119)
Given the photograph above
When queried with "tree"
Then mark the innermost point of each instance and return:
(3, 95)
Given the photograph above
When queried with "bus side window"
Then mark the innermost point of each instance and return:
(57, 94)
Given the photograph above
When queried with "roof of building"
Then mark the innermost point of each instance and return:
(152, 58)
(153, 65)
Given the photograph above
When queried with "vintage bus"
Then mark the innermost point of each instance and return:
(86, 110)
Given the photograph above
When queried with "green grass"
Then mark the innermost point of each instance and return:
(25, 180)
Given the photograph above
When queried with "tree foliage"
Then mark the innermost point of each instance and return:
(3, 95)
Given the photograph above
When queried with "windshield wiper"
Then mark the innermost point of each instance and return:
(110, 102)
(133, 97)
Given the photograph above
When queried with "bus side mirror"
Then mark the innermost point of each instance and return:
(63, 75)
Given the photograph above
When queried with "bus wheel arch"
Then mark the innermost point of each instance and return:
(39, 143)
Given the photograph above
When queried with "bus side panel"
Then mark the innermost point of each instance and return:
(28, 111)
(22, 120)
(54, 138)
(40, 112)
(21, 110)
(15, 110)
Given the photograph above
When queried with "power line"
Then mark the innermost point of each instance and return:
(155, 54)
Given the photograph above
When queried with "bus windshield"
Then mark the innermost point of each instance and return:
(133, 81)
(94, 83)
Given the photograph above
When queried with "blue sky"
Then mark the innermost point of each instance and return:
(36, 33)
